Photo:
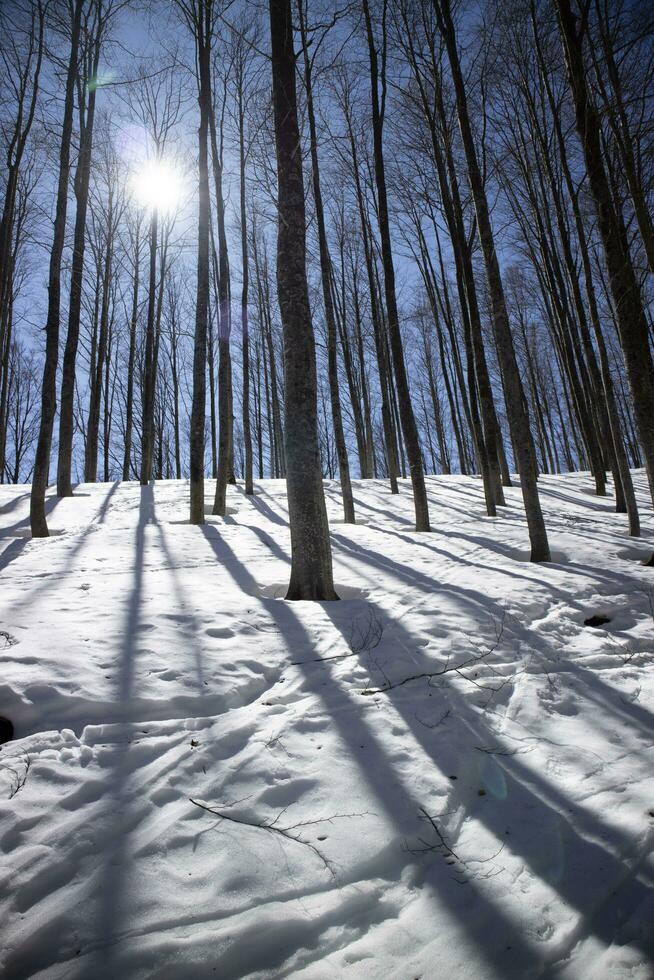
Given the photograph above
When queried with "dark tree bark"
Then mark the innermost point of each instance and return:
(625, 292)
(326, 280)
(24, 82)
(245, 272)
(49, 387)
(86, 104)
(382, 365)
(224, 310)
(311, 561)
(131, 357)
(202, 31)
(95, 400)
(516, 402)
(407, 417)
(147, 407)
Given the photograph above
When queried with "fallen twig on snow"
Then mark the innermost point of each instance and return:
(272, 827)
(435, 724)
(450, 854)
(19, 779)
(364, 638)
(429, 675)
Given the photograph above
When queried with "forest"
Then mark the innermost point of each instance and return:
(326, 489)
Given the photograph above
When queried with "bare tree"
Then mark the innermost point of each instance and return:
(515, 398)
(625, 291)
(311, 561)
(326, 276)
(409, 428)
(93, 31)
(198, 15)
(48, 395)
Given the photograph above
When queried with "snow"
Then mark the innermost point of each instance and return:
(492, 822)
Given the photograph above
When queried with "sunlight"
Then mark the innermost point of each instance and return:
(158, 185)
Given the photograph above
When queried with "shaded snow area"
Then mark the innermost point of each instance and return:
(495, 820)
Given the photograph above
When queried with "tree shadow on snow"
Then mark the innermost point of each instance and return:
(488, 927)
(594, 866)
(53, 581)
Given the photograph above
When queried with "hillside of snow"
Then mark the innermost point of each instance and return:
(352, 817)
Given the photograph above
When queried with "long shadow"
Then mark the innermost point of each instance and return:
(24, 523)
(475, 602)
(427, 543)
(596, 690)
(12, 551)
(187, 612)
(609, 577)
(27, 959)
(557, 838)
(603, 504)
(486, 925)
(53, 580)
(270, 542)
(113, 889)
(13, 503)
(264, 508)
(363, 506)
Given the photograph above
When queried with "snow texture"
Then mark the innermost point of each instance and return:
(487, 822)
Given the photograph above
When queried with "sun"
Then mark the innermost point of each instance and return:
(158, 185)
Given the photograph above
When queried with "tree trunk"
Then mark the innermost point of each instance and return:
(326, 278)
(311, 560)
(627, 300)
(81, 184)
(131, 357)
(49, 387)
(147, 413)
(523, 443)
(202, 40)
(245, 273)
(407, 417)
(222, 280)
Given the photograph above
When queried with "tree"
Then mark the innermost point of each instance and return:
(48, 395)
(94, 28)
(198, 15)
(625, 291)
(311, 560)
(326, 274)
(21, 54)
(407, 418)
(514, 394)
(222, 282)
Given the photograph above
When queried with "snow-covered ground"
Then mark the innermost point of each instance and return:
(497, 821)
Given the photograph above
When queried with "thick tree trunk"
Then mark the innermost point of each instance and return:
(311, 561)
(211, 367)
